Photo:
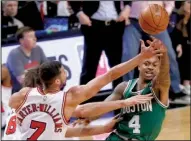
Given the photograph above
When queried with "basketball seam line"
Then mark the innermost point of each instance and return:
(160, 18)
(152, 15)
(148, 24)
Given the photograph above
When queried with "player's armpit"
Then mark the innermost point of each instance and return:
(17, 98)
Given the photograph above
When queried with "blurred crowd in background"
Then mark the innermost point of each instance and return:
(24, 19)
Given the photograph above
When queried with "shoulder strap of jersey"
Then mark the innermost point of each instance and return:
(130, 85)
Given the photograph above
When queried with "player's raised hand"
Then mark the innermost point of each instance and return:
(150, 51)
(138, 99)
(157, 44)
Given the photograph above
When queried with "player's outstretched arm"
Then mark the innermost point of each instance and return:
(162, 82)
(95, 109)
(89, 130)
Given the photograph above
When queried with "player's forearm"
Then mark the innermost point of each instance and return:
(98, 108)
(125, 67)
(164, 74)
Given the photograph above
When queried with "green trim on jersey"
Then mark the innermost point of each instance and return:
(141, 121)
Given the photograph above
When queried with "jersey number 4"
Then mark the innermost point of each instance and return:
(134, 123)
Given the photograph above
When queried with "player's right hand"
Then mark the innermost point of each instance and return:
(138, 99)
(84, 19)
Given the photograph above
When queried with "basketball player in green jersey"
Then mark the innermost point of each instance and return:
(144, 121)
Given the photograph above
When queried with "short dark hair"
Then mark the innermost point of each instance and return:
(32, 78)
(22, 30)
(48, 71)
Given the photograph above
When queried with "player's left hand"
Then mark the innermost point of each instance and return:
(111, 124)
(124, 15)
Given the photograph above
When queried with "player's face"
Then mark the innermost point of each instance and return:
(149, 68)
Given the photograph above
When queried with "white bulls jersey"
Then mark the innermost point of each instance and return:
(6, 94)
(40, 117)
(11, 131)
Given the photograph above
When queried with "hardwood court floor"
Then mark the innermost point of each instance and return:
(175, 127)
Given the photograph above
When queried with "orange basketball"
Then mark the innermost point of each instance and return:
(154, 19)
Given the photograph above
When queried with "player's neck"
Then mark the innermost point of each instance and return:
(51, 90)
(141, 83)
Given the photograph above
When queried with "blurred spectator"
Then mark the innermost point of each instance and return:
(131, 43)
(29, 14)
(55, 8)
(24, 57)
(181, 41)
(6, 90)
(102, 24)
(10, 24)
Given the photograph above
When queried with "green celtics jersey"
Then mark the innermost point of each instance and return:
(141, 121)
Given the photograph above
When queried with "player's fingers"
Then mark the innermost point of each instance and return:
(157, 51)
(142, 43)
(149, 42)
(159, 55)
(117, 116)
(119, 119)
(152, 37)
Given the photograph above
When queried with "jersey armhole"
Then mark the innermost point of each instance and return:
(159, 102)
(126, 88)
(63, 108)
(25, 98)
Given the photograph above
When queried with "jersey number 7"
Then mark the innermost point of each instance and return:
(39, 126)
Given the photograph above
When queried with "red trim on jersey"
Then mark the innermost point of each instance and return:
(42, 93)
(16, 110)
(63, 107)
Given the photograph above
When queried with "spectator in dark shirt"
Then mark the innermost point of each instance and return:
(181, 41)
(28, 55)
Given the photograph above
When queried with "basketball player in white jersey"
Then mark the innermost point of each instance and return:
(43, 113)
(6, 90)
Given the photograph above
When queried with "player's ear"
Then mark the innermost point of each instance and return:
(57, 81)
